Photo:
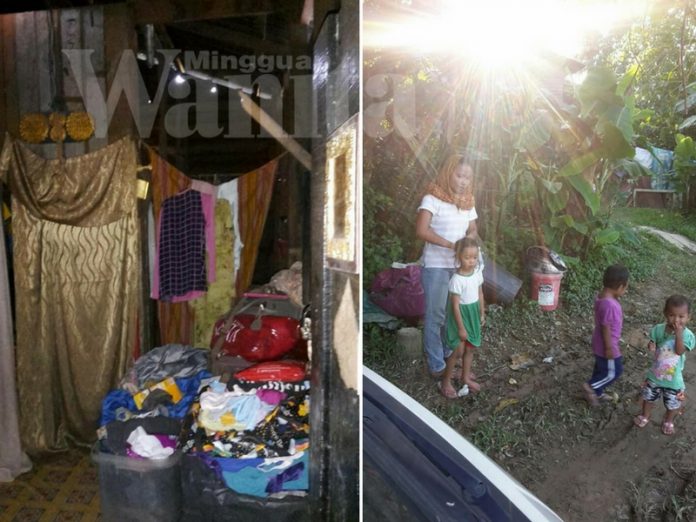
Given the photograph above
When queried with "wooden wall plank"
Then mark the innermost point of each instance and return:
(3, 89)
(26, 64)
(234, 39)
(93, 38)
(166, 11)
(70, 38)
(119, 35)
(42, 26)
(26, 77)
(9, 110)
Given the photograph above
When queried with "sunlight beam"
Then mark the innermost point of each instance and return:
(503, 32)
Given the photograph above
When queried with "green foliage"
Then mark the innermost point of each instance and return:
(548, 175)
(381, 244)
(495, 436)
(379, 347)
(554, 168)
(659, 82)
(653, 53)
(606, 236)
(605, 117)
(509, 252)
(685, 165)
(640, 254)
(398, 163)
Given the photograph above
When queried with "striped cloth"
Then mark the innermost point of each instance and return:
(255, 192)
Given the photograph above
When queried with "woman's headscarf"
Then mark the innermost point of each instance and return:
(441, 188)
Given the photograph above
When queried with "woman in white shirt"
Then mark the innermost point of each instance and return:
(446, 214)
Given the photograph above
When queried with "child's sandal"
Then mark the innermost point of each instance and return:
(640, 421)
(668, 428)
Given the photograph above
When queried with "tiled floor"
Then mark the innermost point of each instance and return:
(61, 487)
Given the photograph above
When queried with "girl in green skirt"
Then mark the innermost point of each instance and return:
(464, 318)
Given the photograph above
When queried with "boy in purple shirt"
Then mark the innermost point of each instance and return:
(607, 331)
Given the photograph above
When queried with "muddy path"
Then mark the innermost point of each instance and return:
(588, 464)
(621, 472)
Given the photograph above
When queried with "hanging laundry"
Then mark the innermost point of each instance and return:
(185, 247)
(230, 192)
(221, 292)
(180, 270)
(180, 319)
(176, 320)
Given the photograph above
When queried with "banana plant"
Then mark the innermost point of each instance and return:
(572, 154)
(685, 167)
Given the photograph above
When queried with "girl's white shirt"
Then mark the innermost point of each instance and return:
(467, 287)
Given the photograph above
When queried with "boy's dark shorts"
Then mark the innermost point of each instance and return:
(672, 398)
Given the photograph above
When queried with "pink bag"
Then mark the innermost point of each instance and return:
(398, 291)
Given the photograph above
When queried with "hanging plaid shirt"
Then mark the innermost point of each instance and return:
(182, 245)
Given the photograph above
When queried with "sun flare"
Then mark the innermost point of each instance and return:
(502, 32)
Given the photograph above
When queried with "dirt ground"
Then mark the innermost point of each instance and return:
(589, 465)
(622, 472)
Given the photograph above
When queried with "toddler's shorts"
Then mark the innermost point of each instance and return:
(672, 398)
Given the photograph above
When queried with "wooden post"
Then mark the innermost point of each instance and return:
(9, 103)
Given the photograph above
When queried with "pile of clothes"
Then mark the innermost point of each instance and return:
(143, 417)
(253, 435)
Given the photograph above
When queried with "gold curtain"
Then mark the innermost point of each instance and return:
(77, 281)
(86, 191)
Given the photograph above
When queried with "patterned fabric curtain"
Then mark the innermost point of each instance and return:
(255, 192)
(77, 282)
(218, 299)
